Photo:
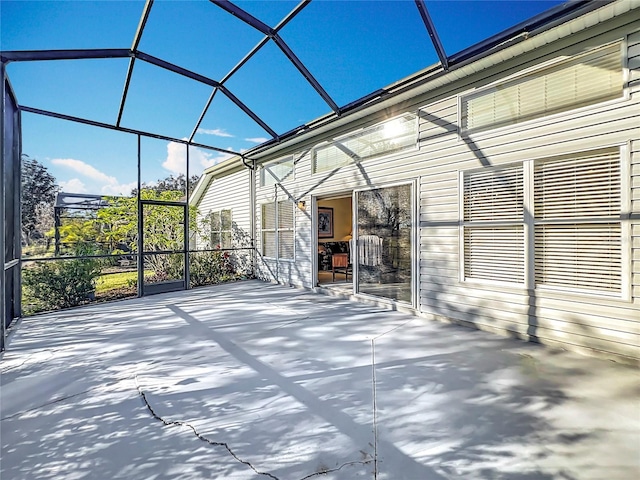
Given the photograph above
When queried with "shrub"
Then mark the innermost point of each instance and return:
(62, 283)
(209, 268)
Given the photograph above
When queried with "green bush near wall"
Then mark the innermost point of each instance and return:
(210, 268)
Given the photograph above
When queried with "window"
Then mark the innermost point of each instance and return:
(576, 222)
(394, 135)
(221, 229)
(593, 77)
(493, 231)
(276, 171)
(277, 230)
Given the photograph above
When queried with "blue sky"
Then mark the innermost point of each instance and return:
(351, 47)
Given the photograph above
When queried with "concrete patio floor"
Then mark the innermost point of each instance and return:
(258, 381)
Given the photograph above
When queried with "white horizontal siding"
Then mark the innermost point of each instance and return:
(288, 272)
(607, 325)
(633, 42)
(635, 222)
(231, 192)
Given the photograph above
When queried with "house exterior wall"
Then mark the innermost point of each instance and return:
(598, 324)
(295, 271)
(231, 191)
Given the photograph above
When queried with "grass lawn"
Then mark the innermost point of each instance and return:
(116, 280)
(111, 281)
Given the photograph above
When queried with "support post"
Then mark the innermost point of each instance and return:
(186, 227)
(2, 208)
(140, 246)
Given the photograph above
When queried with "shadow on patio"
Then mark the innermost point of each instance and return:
(300, 385)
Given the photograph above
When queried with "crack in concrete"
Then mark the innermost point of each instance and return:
(196, 433)
(226, 445)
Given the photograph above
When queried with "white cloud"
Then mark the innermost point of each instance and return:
(214, 160)
(177, 158)
(74, 185)
(103, 183)
(85, 169)
(123, 189)
(256, 139)
(218, 132)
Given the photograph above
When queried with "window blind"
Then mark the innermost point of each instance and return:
(277, 229)
(581, 256)
(268, 229)
(493, 194)
(572, 248)
(285, 229)
(587, 186)
(586, 79)
(494, 252)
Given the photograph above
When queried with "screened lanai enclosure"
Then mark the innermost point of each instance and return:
(179, 87)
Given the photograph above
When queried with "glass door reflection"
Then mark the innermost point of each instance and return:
(384, 242)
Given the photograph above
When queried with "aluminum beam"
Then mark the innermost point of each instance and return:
(3, 300)
(43, 55)
(298, 8)
(132, 131)
(248, 111)
(264, 41)
(134, 48)
(244, 16)
(433, 33)
(561, 13)
(207, 81)
(158, 62)
(204, 112)
(273, 34)
(305, 73)
(246, 58)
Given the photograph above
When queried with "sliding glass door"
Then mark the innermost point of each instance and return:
(384, 242)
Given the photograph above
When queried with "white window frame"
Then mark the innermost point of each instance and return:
(269, 178)
(277, 229)
(465, 225)
(221, 230)
(529, 223)
(362, 131)
(625, 257)
(493, 130)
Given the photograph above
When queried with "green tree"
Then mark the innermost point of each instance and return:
(38, 196)
(78, 232)
(171, 183)
(163, 228)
